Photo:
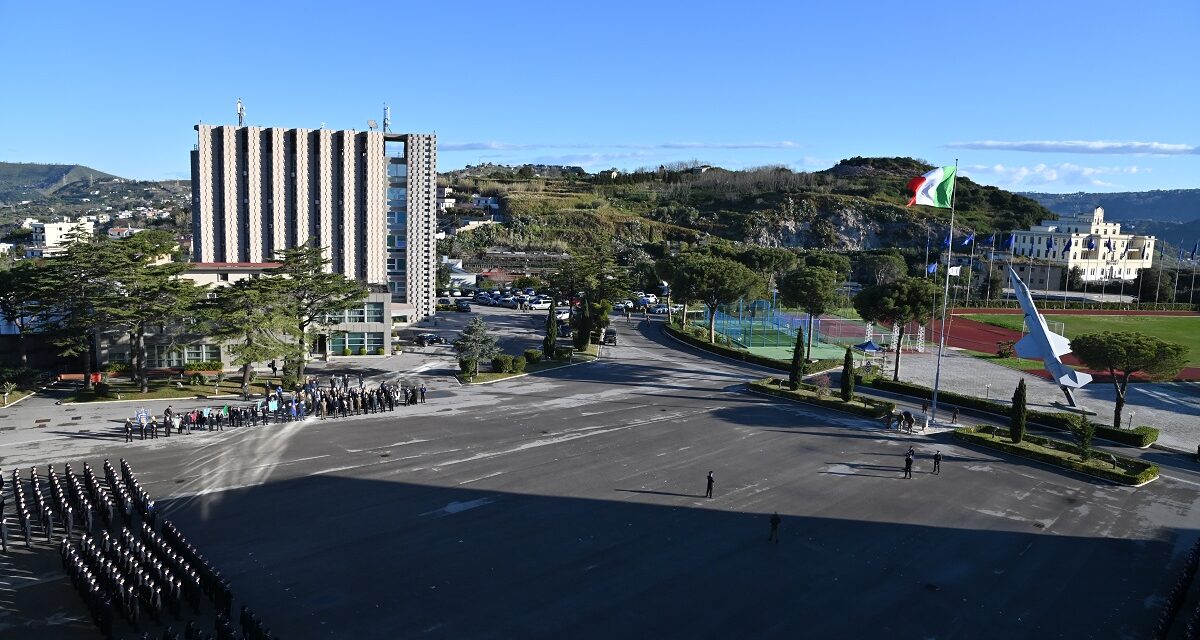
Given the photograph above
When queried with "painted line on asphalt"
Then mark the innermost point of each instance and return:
(1191, 482)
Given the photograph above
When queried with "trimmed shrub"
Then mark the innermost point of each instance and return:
(118, 368)
(362, 351)
(346, 351)
(808, 393)
(562, 353)
(289, 381)
(502, 363)
(467, 365)
(380, 351)
(533, 356)
(199, 379)
(206, 365)
(518, 364)
(102, 388)
(1128, 471)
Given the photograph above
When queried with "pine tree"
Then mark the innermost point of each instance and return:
(475, 343)
(848, 377)
(1017, 430)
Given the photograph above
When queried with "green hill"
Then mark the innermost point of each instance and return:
(31, 181)
(857, 204)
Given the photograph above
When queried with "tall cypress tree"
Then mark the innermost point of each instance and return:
(1017, 430)
(551, 339)
(848, 377)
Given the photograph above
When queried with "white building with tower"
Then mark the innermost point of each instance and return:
(1085, 240)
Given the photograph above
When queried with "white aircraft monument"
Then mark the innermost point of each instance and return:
(1043, 343)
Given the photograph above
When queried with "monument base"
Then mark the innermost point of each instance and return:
(1083, 411)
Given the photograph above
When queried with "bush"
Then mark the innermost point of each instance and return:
(380, 351)
(467, 365)
(346, 351)
(1005, 349)
(533, 356)
(518, 364)
(205, 365)
(118, 368)
(24, 377)
(1128, 471)
(199, 379)
(502, 363)
(872, 408)
(102, 388)
(562, 353)
(289, 381)
(362, 351)
(822, 384)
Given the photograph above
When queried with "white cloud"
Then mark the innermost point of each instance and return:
(1081, 146)
(1044, 174)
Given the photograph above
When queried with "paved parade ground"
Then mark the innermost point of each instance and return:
(570, 504)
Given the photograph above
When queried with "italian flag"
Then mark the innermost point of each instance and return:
(935, 188)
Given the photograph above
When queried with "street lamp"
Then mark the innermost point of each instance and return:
(1131, 415)
(988, 391)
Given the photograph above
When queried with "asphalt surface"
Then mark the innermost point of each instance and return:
(570, 504)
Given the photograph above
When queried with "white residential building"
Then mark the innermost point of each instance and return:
(1086, 241)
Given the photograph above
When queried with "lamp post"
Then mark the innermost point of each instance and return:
(1129, 425)
(987, 395)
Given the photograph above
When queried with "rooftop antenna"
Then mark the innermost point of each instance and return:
(387, 118)
(372, 125)
(241, 109)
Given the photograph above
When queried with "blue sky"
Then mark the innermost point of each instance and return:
(1044, 96)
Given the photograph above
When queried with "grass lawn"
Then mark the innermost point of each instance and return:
(17, 395)
(1065, 454)
(1020, 364)
(1180, 330)
(162, 390)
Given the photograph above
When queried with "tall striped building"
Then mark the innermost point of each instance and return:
(369, 197)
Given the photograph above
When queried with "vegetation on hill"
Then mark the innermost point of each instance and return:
(1173, 205)
(856, 205)
(31, 181)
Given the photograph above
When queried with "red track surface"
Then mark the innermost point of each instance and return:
(977, 336)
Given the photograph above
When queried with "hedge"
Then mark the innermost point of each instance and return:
(874, 408)
(502, 363)
(1140, 437)
(518, 364)
(533, 356)
(746, 356)
(206, 365)
(1128, 471)
(562, 353)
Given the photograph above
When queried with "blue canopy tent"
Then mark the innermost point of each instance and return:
(868, 346)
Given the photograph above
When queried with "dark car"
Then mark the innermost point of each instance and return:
(564, 330)
(462, 305)
(610, 336)
(426, 339)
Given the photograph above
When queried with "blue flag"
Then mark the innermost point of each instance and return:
(1012, 240)
(992, 240)
(1049, 242)
(1108, 244)
(969, 239)
(931, 268)
(1091, 244)
(946, 242)
(1160, 248)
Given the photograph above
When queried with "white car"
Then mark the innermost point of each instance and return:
(658, 309)
(651, 298)
(562, 313)
(539, 304)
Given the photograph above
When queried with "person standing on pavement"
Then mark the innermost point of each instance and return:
(711, 481)
(954, 416)
(128, 430)
(422, 393)
(775, 520)
(937, 463)
(908, 464)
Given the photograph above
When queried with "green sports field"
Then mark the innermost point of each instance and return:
(1183, 330)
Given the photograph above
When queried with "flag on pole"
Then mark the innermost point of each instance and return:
(946, 242)
(1180, 254)
(1049, 242)
(935, 189)
(992, 240)
(1091, 244)
(932, 268)
(1194, 248)
(1160, 248)
(1012, 240)
(969, 239)
(955, 271)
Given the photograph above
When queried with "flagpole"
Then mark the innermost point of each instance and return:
(937, 375)
(927, 254)
(970, 270)
(1158, 280)
(1192, 290)
(1178, 263)
(991, 265)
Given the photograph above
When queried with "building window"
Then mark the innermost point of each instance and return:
(223, 277)
(372, 341)
(202, 352)
(374, 312)
(118, 356)
(356, 315)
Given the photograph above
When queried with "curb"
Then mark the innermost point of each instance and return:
(522, 375)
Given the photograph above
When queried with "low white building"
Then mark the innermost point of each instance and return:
(49, 237)
(1086, 241)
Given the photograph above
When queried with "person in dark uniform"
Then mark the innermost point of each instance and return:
(954, 416)
(422, 393)
(937, 463)
(711, 481)
(128, 430)
(775, 520)
(908, 464)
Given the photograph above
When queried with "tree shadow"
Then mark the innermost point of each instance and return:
(661, 493)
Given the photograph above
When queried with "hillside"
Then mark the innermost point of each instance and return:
(1173, 206)
(857, 204)
(21, 181)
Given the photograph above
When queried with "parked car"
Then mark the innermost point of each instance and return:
(659, 309)
(619, 307)
(462, 305)
(562, 313)
(444, 301)
(529, 292)
(539, 304)
(610, 336)
(676, 308)
(564, 330)
(427, 339)
(651, 298)
(455, 293)
(508, 301)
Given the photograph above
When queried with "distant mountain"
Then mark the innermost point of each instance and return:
(1177, 205)
(21, 181)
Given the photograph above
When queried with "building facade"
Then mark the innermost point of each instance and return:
(368, 197)
(49, 238)
(1086, 241)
